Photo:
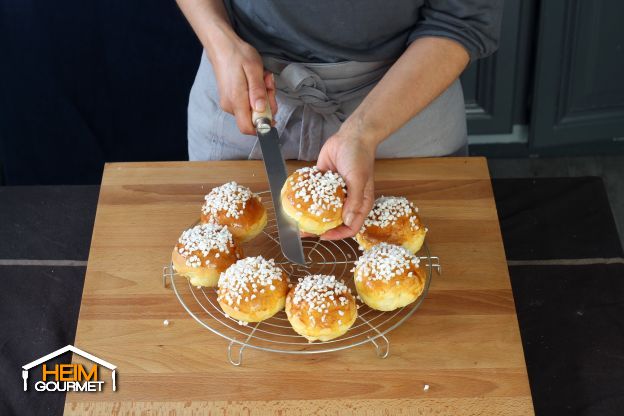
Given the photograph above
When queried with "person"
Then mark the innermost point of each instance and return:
(347, 82)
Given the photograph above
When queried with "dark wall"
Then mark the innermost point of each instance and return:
(83, 82)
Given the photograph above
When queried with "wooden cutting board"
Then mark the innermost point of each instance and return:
(463, 342)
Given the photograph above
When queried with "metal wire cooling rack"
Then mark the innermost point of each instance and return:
(275, 334)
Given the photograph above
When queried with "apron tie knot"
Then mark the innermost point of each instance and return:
(302, 87)
(300, 83)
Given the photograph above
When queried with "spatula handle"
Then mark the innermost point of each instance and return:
(262, 120)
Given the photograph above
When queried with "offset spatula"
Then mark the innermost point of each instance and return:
(288, 231)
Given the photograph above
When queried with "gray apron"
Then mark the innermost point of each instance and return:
(313, 101)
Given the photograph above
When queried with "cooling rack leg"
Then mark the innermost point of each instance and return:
(235, 353)
(435, 263)
(382, 346)
(167, 272)
(381, 343)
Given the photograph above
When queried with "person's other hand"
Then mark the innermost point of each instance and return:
(242, 81)
(354, 159)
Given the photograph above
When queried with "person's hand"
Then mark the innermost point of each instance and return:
(242, 81)
(354, 159)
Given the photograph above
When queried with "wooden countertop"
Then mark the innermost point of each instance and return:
(463, 342)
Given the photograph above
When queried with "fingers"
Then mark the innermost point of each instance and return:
(247, 89)
(260, 86)
(324, 161)
(241, 110)
(243, 85)
(234, 99)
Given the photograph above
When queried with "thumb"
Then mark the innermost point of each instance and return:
(269, 82)
(257, 88)
(358, 203)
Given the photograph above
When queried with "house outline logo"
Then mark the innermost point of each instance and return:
(63, 350)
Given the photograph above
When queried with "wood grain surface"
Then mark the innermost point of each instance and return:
(463, 342)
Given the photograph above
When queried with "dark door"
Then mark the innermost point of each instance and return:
(489, 84)
(578, 94)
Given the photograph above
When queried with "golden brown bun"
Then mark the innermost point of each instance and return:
(252, 290)
(314, 199)
(388, 277)
(203, 253)
(393, 220)
(320, 308)
(237, 208)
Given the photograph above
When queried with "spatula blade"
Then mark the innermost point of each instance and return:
(288, 231)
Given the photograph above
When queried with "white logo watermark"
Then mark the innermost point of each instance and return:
(69, 377)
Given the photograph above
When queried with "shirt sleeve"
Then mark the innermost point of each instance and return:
(475, 24)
